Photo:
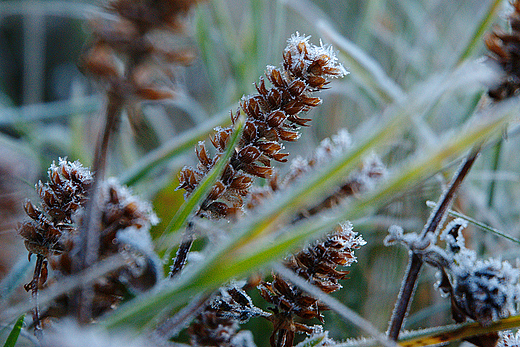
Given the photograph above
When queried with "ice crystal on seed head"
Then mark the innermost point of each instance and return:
(509, 339)
(304, 57)
(452, 235)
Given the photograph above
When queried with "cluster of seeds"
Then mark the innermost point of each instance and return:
(127, 54)
(318, 265)
(273, 116)
(52, 232)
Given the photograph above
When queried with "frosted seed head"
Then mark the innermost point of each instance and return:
(306, 59)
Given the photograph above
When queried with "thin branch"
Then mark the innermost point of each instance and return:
(415, 263)
(171, 327)
(89, 245)
(34, 293)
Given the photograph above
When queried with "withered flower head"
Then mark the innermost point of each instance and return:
(61, 197)
(53, 229)
(505, 51)
(480, 290)
(360, 180)
(127, 52)
(273, 116)
(318, 265)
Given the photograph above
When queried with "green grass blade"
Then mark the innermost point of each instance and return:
(15, 332)
(480, 30)
(198, 279)
(181, 217)
(478, 224)
(238, 257)
(171, 149)
(49, 110)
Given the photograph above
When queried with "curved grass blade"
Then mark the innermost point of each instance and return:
(15, 332)
(484, 24)
(49, 110)
(181, 217)
(170, 149)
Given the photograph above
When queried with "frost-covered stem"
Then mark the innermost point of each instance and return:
(34, 293)
(439, 213)
(415, 262)
(171, 327)
(89, 244)
(405, 296)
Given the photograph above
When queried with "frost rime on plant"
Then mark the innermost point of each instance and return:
(482, 290)
(273, 116)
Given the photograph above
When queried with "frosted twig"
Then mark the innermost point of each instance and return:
(172, 326)
(415, 262)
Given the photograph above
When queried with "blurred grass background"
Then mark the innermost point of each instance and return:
(48, 109)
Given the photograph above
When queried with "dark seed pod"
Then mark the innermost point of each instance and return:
(52, 231)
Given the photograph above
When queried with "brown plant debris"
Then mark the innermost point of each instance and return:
(129, 54)
(273, 116)
(218, 323)
(317, 264)
(53, 229)
(505, 51)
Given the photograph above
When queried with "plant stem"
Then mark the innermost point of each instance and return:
(89, 244)
(34, 293)
(171, 327)
(415, 262)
